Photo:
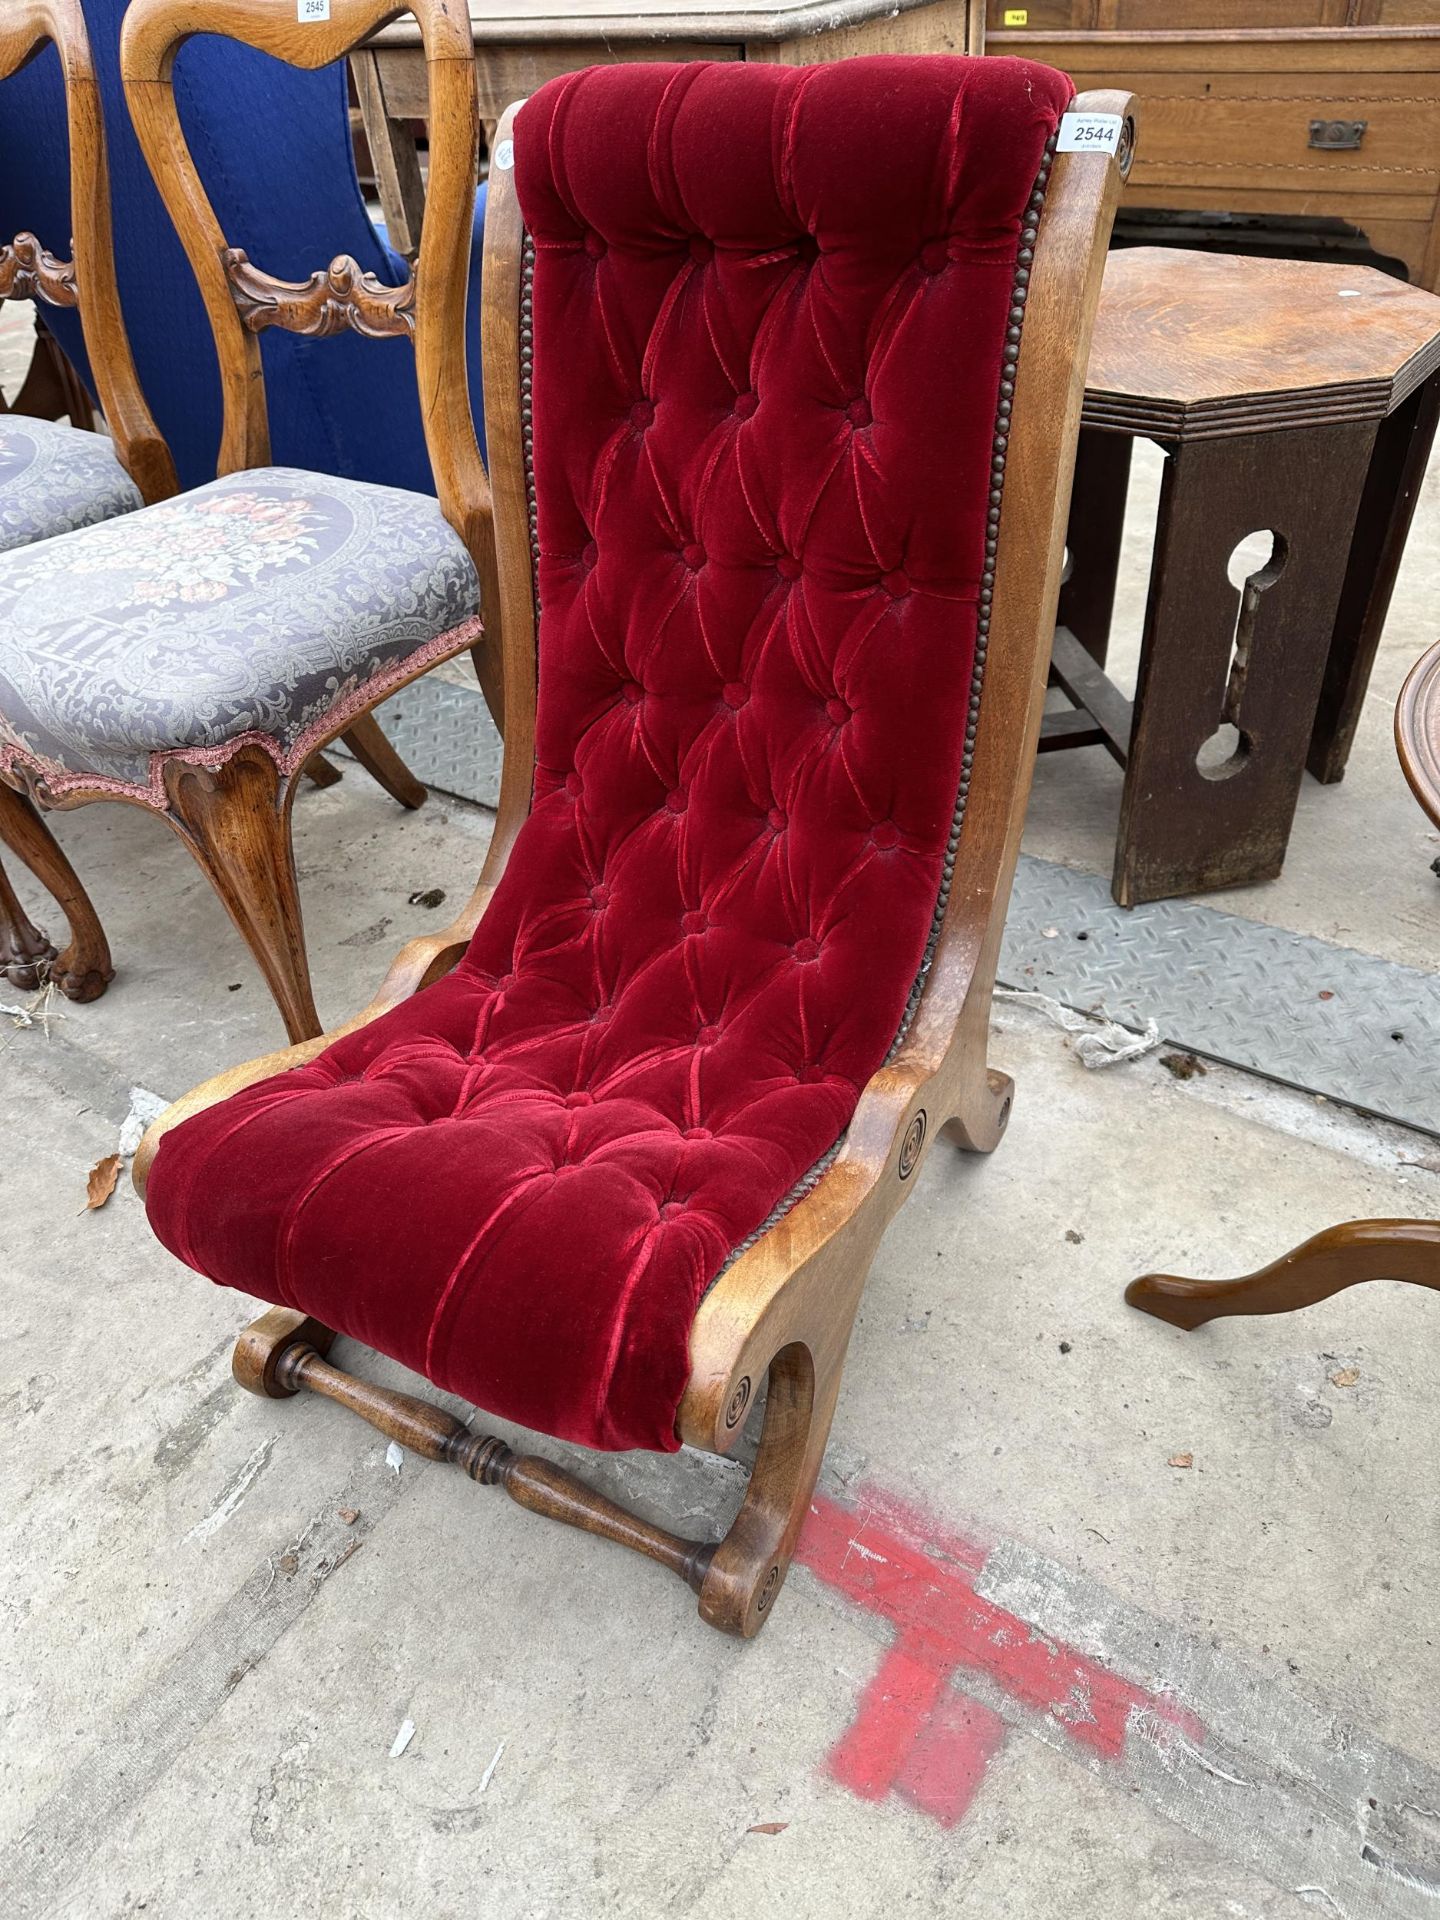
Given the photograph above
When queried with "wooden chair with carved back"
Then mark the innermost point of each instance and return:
(783, 371)
(55, 476)
(192, 657)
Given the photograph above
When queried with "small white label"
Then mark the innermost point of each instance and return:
(1089, 133)
(504, 157)
(308, 10)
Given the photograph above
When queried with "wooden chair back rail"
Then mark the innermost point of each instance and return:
(241, 300)
(87, 280)
(783, 1310)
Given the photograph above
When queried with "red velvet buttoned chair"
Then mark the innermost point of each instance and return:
(783, 369)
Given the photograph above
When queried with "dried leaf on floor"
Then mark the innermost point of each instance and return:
(769, 1826)
(102, 1181)
(1345, 1377)
(349, 1515)
(1181, 1460)
(1184, 1066)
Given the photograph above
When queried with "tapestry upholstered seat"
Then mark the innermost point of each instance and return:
(54, 478)
(266, 603)
(623, 1139)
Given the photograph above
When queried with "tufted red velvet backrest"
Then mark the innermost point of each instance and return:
(770, 306)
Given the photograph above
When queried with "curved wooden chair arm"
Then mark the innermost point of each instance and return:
(25, 27)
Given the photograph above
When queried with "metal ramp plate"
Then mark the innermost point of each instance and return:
(445, 735)
(1326, 1019)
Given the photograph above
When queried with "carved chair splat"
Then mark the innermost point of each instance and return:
(780, 1309)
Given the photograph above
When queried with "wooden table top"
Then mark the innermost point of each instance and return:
(1195, 345)
(531, 22)
(1417, 730)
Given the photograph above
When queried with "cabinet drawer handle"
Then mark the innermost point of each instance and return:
(1337, 136)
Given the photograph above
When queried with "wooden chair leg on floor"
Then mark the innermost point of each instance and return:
(1340, 1257)
(323, 772)
(82, 971)
(380, 760)
(235, 819)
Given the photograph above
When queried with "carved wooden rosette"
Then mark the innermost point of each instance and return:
(341, 296)
(29, 272)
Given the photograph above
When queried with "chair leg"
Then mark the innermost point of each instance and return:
(83, 970)
(748, 1567)
(380, 760)
(323, 772)
(983, 1113)
(1340, 1257)
(235, 819)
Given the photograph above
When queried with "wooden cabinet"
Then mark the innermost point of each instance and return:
(1311, 122)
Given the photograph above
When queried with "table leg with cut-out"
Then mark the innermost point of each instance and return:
(1227, 694)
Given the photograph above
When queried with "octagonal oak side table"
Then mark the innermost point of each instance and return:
(1292, 399)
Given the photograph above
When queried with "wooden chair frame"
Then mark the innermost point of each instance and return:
(235, 818)
(782, 1312)
(87, 280)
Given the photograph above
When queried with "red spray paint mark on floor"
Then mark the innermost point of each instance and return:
(913, 1733)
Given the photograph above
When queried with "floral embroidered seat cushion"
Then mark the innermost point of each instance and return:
(770, 308)
(262, 605)
(54, 478)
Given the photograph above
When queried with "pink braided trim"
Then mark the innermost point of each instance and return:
(60, 780)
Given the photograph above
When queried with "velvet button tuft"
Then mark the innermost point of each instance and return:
(642, 414)
(885, 836)
(858, 412)
(573, 785)
(676, 800)
(696, 1133)
(806, 950)
(693, 555)
(736, 693)
(935, 256)
(788, 566)
(632, 692)
(776, 818)
(807, 247)
(693, 923)
(600, 896)
(745, 405)
(580, 1099)
(591, 554)
(837, 711)
(701, 249)
(707, 1035)
(595, 246)
(896, 582)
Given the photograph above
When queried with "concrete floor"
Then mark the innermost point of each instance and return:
(1027, 1667)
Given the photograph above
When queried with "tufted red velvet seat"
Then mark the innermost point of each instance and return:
(770, 306)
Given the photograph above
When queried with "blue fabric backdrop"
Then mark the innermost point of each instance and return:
(273, 148)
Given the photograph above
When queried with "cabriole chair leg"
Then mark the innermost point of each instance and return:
(1340, 1257)
(82, 971)
(367, 742)
(235, 819)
